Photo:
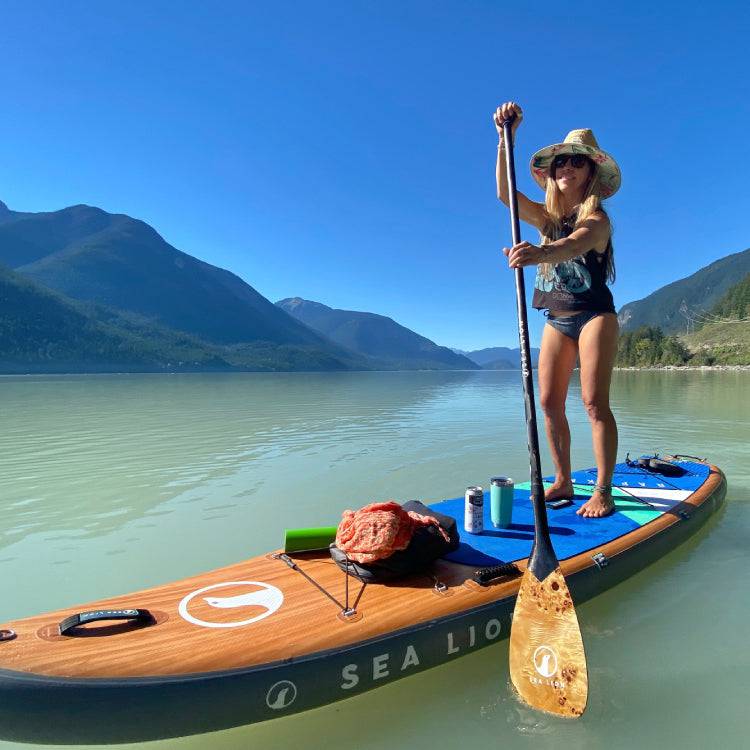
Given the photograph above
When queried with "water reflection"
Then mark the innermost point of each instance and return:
(90, 454)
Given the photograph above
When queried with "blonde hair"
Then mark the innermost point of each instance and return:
(555, 213)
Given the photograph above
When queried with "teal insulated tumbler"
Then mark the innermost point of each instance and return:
(501, 501)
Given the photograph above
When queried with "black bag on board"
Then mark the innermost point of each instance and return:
(426, 545)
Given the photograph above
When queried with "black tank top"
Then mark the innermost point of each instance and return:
(575, 285)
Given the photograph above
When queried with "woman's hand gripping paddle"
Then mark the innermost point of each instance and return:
(547, 660)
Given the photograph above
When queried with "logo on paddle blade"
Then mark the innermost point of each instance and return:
(241, 603)
(281, 695)
(545, 661)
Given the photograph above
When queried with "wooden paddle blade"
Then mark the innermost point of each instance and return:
(547, 659)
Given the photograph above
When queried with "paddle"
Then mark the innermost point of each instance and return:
(547, 660)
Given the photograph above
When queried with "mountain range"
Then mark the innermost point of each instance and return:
(114, 260)
(43, 331)
(500, 357)
(679, 306)
(375, 336)
(86, 290)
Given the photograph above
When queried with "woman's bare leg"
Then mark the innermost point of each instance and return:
(597, 346)
(556, 361)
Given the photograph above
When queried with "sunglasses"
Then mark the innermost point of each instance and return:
(576, 160)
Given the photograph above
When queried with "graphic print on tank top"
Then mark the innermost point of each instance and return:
(567, 276)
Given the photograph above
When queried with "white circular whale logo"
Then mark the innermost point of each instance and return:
(545, 661)
(246, 594)
(281, 695)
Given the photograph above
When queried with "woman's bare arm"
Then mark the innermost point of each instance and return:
(593, 233)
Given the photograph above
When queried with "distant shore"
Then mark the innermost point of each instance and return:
(654, 368)
(687, 367)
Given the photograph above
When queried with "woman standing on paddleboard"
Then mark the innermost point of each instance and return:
(574, 263)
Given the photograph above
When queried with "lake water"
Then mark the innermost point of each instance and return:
(116, 483)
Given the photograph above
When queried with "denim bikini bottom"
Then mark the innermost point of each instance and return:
(571, 325)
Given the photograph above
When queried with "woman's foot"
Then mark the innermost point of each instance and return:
(560, 489)
(600, 504)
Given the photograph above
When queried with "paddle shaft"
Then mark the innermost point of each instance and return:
(543, 559)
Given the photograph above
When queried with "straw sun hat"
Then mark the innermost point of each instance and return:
(578, 142)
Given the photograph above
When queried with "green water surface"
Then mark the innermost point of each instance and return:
(115, 483)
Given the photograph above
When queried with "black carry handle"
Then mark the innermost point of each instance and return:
(484, 576)
(543, 560)
(142, 616)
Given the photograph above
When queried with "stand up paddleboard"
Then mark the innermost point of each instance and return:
(275, 635)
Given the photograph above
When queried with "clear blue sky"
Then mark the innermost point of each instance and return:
(344, 151)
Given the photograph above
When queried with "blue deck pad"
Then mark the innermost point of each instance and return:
(571, 534)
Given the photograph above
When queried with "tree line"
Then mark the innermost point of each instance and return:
(648, 346)
(735, 304)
